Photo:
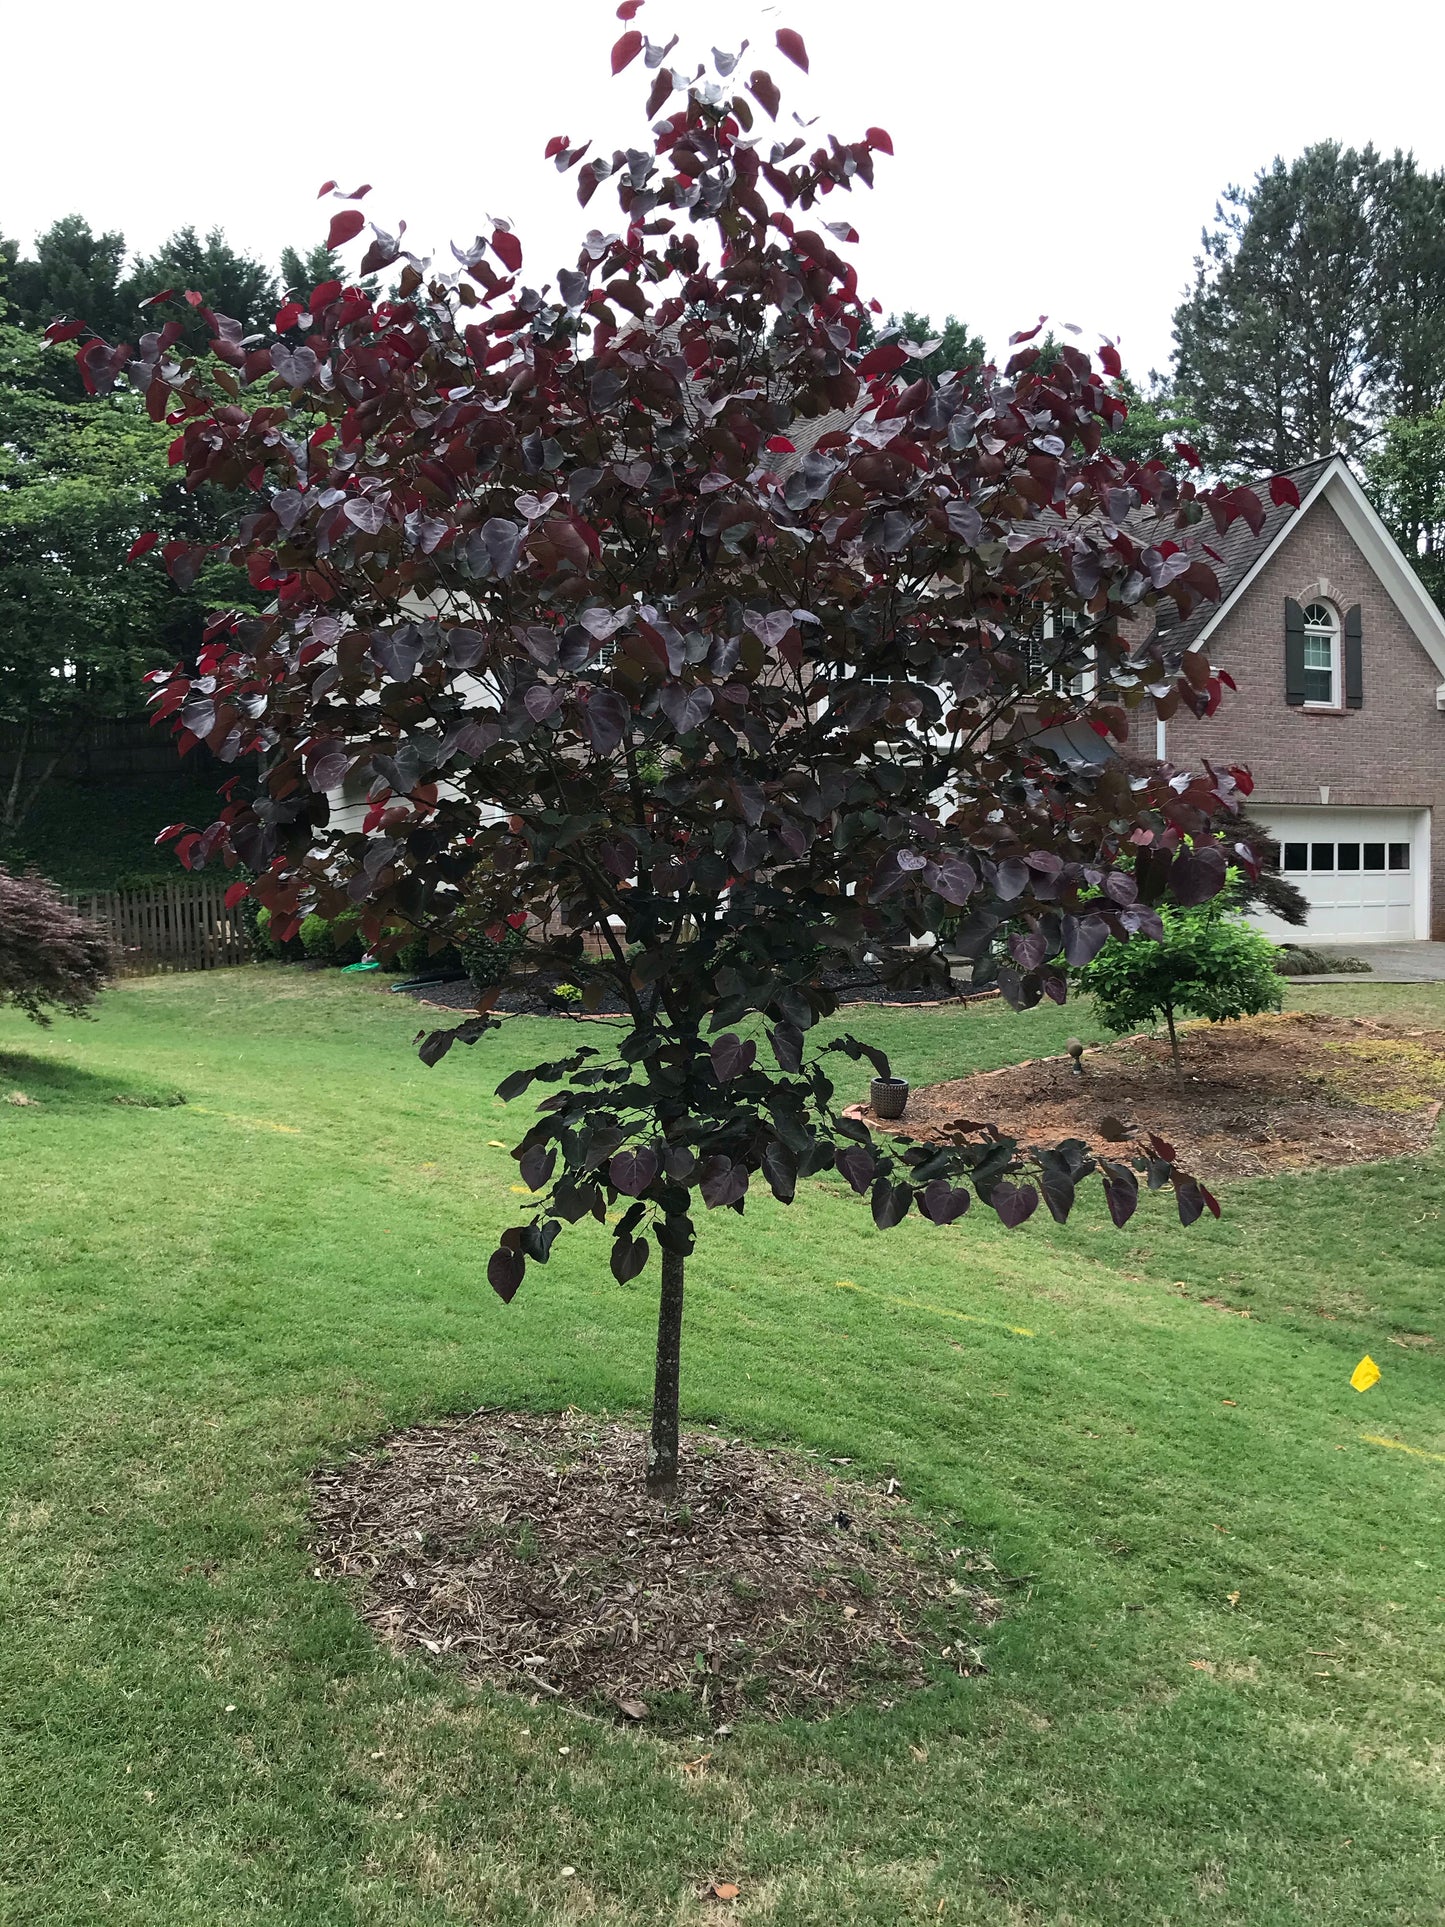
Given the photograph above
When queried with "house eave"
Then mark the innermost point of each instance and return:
(1337, 485)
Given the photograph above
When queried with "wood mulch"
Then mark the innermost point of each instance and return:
(1267, 1094)
(522, 1549)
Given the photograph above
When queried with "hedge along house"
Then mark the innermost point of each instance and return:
(1339, 658)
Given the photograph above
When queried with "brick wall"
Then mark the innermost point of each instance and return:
(1389, 752)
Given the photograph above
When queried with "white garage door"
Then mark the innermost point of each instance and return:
(1366, 873)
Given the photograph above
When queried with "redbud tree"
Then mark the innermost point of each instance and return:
(664, 609)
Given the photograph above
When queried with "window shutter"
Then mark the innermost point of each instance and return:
(1294, 652)
(1354, 665)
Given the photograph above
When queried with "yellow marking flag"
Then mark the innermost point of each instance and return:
(1365, 1374)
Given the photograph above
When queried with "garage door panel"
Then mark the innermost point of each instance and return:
(1363, 872)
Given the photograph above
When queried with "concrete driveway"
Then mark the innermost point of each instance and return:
(1390, 963)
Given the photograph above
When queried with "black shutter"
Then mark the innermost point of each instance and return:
(1354, 666)
(1294, 652)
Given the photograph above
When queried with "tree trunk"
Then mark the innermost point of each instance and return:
(10, 819)
(662, 1448)
(1173, 1040)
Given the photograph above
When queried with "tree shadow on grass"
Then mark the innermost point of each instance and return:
(53, 1083)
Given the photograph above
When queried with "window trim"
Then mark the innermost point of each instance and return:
(1315, 630)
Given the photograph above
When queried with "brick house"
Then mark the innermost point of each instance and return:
(1339, 655)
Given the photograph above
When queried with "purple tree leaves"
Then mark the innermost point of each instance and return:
(687, 632)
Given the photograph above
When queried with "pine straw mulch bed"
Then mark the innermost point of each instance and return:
(522, 1548)
(1267, 1094)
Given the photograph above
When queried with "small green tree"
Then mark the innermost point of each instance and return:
(1209, 963)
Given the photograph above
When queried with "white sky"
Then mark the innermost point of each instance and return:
(1051, 158)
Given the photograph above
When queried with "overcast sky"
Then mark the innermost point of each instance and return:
(1050, 158)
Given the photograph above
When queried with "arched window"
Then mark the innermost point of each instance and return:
(1321, 657)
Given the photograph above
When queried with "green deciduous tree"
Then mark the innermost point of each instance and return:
(1209, 962)
(1406, 476)
(1157, 423)
(81, 477)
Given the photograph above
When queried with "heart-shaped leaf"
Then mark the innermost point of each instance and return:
(1013, 1202)
(505, 1271)
(632, 1172)
(857, 1166)
(941, 1203)
(686, 709)
(345, 226)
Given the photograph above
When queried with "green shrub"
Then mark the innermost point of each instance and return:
(335, 940)
(487, 960)
(1298, 960)
(266, 945)
(1209, 963)
(568, 994)
(416, 955)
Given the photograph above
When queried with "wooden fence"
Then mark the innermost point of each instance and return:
(169, 926)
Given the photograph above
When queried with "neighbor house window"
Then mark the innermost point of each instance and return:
(1053, 660)
(1322, 657)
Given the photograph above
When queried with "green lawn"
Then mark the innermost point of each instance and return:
(199, 1302)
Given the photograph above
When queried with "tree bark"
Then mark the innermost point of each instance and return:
(662, 1447)
(12, 800)
(1173, 1040)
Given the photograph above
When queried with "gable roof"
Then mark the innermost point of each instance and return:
(1242, 556)
(1238, 554)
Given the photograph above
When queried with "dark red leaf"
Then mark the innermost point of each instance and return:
(1014, 1202)
(780, 445)
(505, 1271)
(508, 248)
(1109, 356)
(878, 138)
(236, 892)
(326, 187)
(626, 50)
(764, 90)
(632, 1171)
(1282, 490)
(791, 44)
(882, 360)
(142, 545)
(629, 9)
(345, 226)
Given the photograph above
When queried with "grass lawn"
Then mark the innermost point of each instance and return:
(198, 1303)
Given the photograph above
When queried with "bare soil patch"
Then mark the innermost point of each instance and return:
(522, 1548)
(1267, 1094)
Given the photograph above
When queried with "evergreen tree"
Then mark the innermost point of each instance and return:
(300, 273)
(957, 347)
(1281, 348)
(73, 271)
(233, 284)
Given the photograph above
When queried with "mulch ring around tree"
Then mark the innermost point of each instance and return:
(1266, 1094)
(522, 1549)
